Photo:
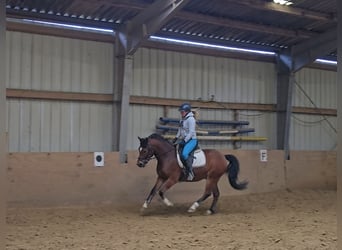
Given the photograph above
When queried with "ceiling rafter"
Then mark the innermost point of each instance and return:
(306, 52)
(17, 14)
(243, 25)
(255, 23)
(186, 15)
(149, 21)
(295, 11)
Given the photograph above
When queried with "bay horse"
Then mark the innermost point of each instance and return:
(169, 172)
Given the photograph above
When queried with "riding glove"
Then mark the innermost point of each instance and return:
(176, 141)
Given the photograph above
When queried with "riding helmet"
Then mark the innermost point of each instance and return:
(185, 107)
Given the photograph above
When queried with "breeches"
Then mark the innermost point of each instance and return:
(188, 148)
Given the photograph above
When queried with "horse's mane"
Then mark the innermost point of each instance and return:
(158, 137)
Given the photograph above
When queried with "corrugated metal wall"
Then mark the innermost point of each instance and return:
(37, 62)
(44, 126)
(60, 64)
(188, 76)
(196, 77)
(314, 88)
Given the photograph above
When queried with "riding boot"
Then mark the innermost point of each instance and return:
(188, 165)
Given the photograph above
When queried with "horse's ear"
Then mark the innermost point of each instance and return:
(139, 138)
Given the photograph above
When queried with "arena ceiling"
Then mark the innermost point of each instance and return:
(256, 24)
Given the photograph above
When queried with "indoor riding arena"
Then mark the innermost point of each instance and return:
(87, 82)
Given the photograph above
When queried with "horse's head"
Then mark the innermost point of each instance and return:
(145, 152)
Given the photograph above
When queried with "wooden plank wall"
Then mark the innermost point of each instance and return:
(58, 179)
(155, 101)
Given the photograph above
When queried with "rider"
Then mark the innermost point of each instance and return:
(187, 134)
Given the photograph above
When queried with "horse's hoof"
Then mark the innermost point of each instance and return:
(191, 210)
(210, 212)
(193, 207)
(168, 203)
(142, 209)
(145, 205)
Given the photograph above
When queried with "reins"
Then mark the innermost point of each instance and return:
(163, 153)
(155, 157)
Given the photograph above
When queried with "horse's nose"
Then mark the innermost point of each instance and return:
(140, 164)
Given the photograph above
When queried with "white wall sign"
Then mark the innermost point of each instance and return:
(98, 159)
(263, 155)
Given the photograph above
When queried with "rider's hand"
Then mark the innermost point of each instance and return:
(178, 141)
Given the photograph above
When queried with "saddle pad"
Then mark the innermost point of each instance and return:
(199, 159)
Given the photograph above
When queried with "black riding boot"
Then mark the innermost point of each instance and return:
(188, 166)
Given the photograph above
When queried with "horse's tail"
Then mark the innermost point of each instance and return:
(233, 170)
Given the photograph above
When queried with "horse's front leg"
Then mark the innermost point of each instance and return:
(166, 201)
(149, 198)
(164, 187)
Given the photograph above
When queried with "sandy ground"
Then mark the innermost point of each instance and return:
(300, 219)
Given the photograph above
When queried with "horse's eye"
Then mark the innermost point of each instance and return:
(142, 150)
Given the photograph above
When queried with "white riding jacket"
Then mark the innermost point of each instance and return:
(187, 128)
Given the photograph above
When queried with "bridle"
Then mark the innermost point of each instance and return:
(150, 155)
(142, 161)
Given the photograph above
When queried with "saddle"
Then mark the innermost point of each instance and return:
(197, 154)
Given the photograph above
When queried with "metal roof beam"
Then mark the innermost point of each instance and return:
(298, 56)
(148, 22)
(290, 10)
(184, 15)
(308, 51)
(225, 22)
(18, 14)
(256, 4)
(231, 23)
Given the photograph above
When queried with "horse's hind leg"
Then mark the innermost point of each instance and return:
(206, 194)
(216, 195)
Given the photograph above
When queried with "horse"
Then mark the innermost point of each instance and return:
(169, 172)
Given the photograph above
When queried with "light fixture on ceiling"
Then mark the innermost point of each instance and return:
(283, 2)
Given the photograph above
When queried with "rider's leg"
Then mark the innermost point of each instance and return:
(188, 148)
(188, 164)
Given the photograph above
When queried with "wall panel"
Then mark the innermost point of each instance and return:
(314, 88)
(60, 64)
(42, 126)
(197, 77)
